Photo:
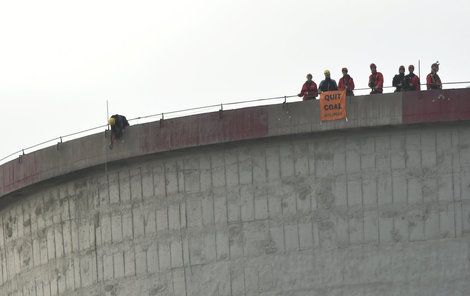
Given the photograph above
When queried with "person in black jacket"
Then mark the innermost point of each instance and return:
(118, 123)
(399, 80)
(328, 84)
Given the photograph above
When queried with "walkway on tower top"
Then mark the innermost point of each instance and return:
(235, 125)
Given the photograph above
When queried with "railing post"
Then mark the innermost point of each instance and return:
(59, 143)
(284, 104)
(20, 158)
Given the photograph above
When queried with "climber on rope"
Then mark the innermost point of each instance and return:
(118, 123)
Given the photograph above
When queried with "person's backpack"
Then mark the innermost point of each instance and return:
(124, 121)
(121, 121)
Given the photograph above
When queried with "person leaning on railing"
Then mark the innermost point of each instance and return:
(118, 123)
(433, 81)
(309, 89)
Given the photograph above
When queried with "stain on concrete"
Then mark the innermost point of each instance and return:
(159, 290)
(27, 222)
(324, 193)
(389, 213)
(110, 290)
(26, 261)
(270, 246)
(396, 236)
(38, 211)
(48, 204)
(324, 155)
(9, 229)
(422, 174)
(323, 220)
(304, 191)
(235, 232)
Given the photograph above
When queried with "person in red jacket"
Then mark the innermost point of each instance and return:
(309, 89)
(412, 82)
(433, 81)
(346, 83)
(376, 80)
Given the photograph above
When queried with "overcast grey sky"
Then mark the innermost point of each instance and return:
(61, 60)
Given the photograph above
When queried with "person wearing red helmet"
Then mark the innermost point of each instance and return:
(346, 83)
(399, 80)
(412, 82)
(433, 81)
(376, 80)
(309, 89)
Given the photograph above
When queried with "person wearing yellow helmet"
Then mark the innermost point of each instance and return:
(328, 84)
(111, 121)
(118, 123)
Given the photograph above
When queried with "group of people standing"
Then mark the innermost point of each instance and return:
(401, 82)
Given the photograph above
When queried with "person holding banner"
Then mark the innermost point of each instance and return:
(376, 80)
(328, 84)
(346, 83)
(309, 89)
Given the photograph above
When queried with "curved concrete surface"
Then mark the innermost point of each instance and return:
(258, 201)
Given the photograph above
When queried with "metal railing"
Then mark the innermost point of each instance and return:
(182, 112)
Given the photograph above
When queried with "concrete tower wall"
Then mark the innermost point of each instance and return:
(364, 211)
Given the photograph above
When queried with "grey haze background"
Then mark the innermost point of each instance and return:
(61, 60)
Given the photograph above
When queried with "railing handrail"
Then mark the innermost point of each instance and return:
(162, 115)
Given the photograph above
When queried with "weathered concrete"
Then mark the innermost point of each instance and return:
(193, 131)
(323, 209)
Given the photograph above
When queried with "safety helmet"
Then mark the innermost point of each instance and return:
(112, 121)
(327, 72)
